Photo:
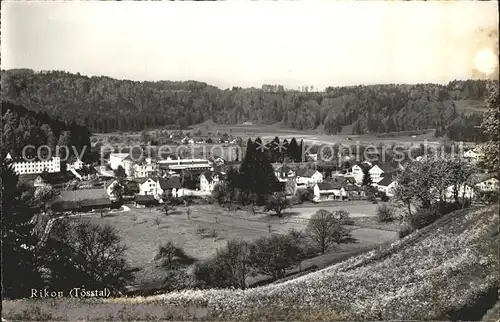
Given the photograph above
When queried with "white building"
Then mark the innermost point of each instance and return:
(144, 169)
(184, 164)
(474, 155)
(171, 185)
(109, 189)
(329, 191)
(283, 173)
(357, 172)
(209, 179)
(378, 170)
(464, 191)
(308, 176)
(75, 165)
(116, 160)
(21, 166)
(491, 184)
(387, 185)
(313, 156)
(148, 186)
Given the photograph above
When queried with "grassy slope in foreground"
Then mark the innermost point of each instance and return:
(439, 269)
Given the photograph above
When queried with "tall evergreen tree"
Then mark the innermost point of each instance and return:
(294, 147)
(367, 179)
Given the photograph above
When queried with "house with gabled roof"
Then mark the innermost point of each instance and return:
(387, 184)
(473, 155)
(357, 171)
(170, 186)
(308, 176)
(80, 200)
(354, 192)
(379, 168)
(487, 182)
(283, 173)
(145, 201)
(148, 186)
(209, 179)
(329, 190)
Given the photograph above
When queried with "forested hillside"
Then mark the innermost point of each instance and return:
(105, 104)
(22, 127)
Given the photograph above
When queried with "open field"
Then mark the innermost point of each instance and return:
(140, 232)
(268, 132)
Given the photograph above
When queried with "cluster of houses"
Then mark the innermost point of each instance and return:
(208, 140)
(341, 186)
(149, 180)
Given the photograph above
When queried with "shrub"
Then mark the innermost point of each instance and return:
(169, 253)
(423, 218)
(343, 217)
(488, 197)
(405, 231)
(385, 213)
(383, 196)
(444, 208)
(228, 268)
(273, 255)
(304, 195)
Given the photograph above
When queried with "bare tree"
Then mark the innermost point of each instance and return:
(325, 230)
(158, 222)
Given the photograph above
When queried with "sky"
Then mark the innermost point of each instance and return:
(242, 43)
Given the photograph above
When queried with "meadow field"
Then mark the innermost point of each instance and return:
(269, 131)
(209, 227)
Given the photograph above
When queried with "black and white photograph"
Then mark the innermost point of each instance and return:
(250, 160)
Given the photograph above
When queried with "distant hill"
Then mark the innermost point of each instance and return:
(105, 104)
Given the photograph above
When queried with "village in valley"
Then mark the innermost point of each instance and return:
(146, 181)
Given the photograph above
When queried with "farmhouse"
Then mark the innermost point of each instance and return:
(354, 192)
(473, 155)
(170, 186)
(308, 176)
(387, 184)
(145, 201)
(357, 171)
(378, 169)
(487, 183)
(312, 157)
(80, 200)
(209, 179)
(284, 172)
(148, 186)
(57, 179)
(329, 191)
